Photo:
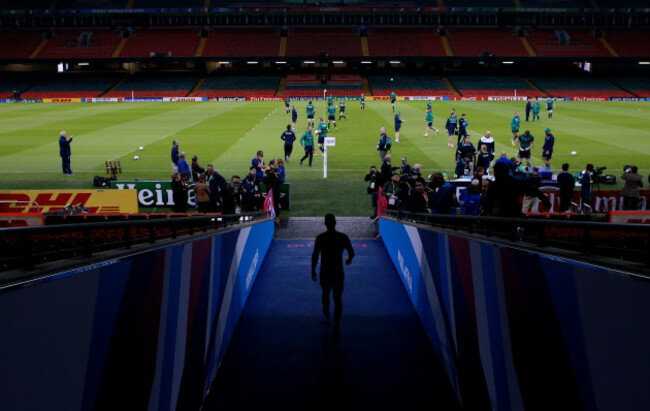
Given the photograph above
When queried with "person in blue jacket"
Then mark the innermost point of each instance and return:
(65, 152)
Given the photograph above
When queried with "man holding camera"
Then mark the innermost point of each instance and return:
(374, 178)
(630, 191)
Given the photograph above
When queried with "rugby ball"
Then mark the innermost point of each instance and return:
(141, 148)
(573, 153)
(136, 157)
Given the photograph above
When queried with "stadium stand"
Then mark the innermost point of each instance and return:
(242, 42)
(91, 4)
(473, 3)
(630, 43)
(161, 4)
(19, 44)
(473, 42)
(416, 85)
(555, 3)
(586, 86)
(628, 3)
(638, 85)
(69, 85)
(16, 81)
(80, 44)
(483, 86)
(151, 85)
(22, 5)
(404, 42)
(145, 43)
(566, 43)
(312, 42)
(311, 85)
(237, 86)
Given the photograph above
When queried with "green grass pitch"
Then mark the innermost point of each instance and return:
(228, 134)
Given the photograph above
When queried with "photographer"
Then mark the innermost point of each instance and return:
(252, 197)
(586, 180)
(233, 196)
(630, 191)
(374, 178)
(391, 190)
(272, 182)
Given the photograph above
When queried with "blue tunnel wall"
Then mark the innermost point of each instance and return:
(524, 330)
(143, 332)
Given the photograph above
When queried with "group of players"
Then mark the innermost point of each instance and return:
(457, 129)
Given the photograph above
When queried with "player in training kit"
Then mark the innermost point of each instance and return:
(398, 126)
(547, 150)
(536, 107)
(462, 128)
(549, 107)
(429, 105)
(286, 104)
(288, 137)
(310, 115)
(393, 97)
(330, 101)
(514, 126)
(525, 142)
(321, 131)
(342, 110)
(429, 120)
(363, 101)
(331, 116)
(307, 141)
(451, 124)
(294, 116)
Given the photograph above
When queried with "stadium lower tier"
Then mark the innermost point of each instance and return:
(147, 93)
(485, 93)
(60, 94)
(319, 92)
(234, 93)
(589, 93)
(642, 93)
(414, 92)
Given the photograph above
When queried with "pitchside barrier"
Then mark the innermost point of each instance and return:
(314, 98)
(150, 327)
(157, 193)
(517, 330)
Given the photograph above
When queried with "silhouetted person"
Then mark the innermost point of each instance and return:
(330, 246)
(502, 198)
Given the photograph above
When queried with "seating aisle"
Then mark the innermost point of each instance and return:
(283, 354)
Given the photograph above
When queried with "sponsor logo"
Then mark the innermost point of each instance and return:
(24, 100)
(230, 99)
(468, 98)
(144, 99)
(405, 272)
(97, 201)
(265, 99)
(507, 98)
(578, 98)
(251, 270)
(627, 99)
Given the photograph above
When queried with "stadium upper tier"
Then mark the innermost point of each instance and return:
(19, 44)
(165, 42)
(242, 42)
(569, 43)
(630, 43)
(80, 43)
(307, 85)
(473, 42)
(404, 42)
(335, 41)
(588, 86)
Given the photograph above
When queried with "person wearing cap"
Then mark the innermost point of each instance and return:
(547, 150)
(65, 152)
(329, 246)
(398, 125)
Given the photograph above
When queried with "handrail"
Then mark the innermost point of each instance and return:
(623, 242)
(28, 246)
(38, 207)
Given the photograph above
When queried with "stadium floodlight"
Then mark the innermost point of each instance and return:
(394, 62)
(366, 62)
(309, 62)
(280, 62)
(84, 64)
(508, 62)
(337, 62)
(252, 62)
(644, 62)
(224, 62)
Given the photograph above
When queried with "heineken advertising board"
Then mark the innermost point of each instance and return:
(155, 193)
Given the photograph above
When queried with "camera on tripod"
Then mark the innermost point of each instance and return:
(599, 170)
(598, 176)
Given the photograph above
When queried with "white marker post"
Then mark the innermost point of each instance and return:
(329, 142)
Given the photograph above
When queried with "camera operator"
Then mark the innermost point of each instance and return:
(391, 190)
(586, 180)
(252, 196)
(442, 199)
(630, 191)
(374, 178)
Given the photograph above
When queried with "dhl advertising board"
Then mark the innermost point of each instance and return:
(97, 201)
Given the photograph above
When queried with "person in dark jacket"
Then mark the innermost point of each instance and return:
(374, 178)
(179, 192)
(175, 153)
(65, 152)
(502, 197)
(567, 183)
(272, 182)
